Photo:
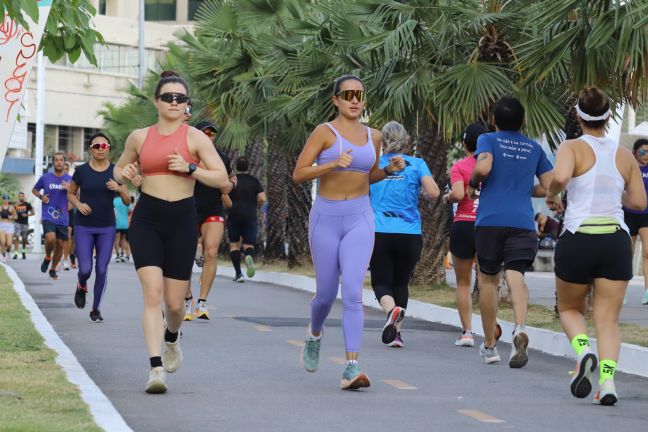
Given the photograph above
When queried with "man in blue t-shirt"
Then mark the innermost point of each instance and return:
(55, 217)
(507, 163)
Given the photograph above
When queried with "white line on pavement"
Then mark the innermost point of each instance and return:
(102, 410)
(400, 385)
(481, 416)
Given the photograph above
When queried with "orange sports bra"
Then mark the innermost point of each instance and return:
(156, 147)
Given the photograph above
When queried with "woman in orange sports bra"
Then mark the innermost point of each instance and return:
(163, 233)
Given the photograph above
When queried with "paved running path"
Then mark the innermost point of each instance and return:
(242, 373)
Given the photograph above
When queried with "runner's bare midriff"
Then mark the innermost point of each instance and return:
(168, 187)
(343, 185)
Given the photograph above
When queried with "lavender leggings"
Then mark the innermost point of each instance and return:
(87, 240)
(341, 235)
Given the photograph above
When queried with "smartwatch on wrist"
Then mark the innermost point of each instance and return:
(192, 168)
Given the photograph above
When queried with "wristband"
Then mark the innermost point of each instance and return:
(472, 185)
(387, 171)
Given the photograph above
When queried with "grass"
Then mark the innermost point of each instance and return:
(34, 391)
(444, 295)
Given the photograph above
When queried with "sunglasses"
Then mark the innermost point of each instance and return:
(100, 146)
(348, 95)
(642, 152)
(171, 97)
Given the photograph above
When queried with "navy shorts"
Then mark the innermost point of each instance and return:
(60, 230)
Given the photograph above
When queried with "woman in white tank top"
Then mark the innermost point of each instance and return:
(594, 248)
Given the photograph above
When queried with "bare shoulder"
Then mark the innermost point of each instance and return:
(376, 135)
(137, 137)
(322, 134)
(626, 157)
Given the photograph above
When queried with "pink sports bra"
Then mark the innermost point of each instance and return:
(156, 147)
(363, 157)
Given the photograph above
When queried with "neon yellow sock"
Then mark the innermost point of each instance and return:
(580, 342)
(607, 367)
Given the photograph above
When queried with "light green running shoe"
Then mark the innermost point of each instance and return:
(353, 378)
(310, 353)
(249, 265)
(644, 300)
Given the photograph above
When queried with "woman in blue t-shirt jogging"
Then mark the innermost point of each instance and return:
(94, 221)
(637, 220)
(398, 242)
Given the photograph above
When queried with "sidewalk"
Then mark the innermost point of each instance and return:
(542, 291)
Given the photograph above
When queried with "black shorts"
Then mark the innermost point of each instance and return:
(60, 230)
(635, 222)
(462, 239)
(515, 247)
(163, 234)
(238, 228)
(580, 258)
(122, 231)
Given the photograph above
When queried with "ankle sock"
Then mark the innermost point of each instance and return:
(156, 362)
(607, 369)
(580, 343)
(188, 298)
(467, 333)
(202, 300)
(170, 337)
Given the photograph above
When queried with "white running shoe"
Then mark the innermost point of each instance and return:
(189, 314)
(519, 355)
(465, 340)
(607, 394)
(172, 356)
(581, 382)
(490, 355)
(156, 381)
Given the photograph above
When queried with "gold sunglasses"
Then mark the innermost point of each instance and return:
(348, 95)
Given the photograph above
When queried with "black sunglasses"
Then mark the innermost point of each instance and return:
(348, 95)
(177, 97)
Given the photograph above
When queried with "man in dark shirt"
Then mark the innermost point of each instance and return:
(21, 225)
(211, 219)
(242, 220)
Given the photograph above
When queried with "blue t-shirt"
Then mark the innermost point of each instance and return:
(95, 193)
(56, 210)
(395, 199)
(505, 198)
(121, 213)
(644, 176)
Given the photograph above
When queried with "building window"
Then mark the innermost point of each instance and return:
(65, 139)
(193, 8)
(102, 7)
(160, 10)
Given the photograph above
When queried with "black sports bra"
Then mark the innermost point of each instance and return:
(5, 213)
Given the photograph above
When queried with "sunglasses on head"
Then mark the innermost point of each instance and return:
(642, 152)
(348, 95)
(100, 146)
(177, 97)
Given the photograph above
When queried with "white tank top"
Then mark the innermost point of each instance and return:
(596, 193)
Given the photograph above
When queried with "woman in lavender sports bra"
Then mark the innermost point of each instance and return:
(341, 224)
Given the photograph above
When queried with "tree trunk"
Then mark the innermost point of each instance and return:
(435, 215)
(276, 181)
(299, 205)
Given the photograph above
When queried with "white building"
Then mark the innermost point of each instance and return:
(75, 93)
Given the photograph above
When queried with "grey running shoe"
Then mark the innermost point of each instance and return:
(249, 265)
(490, 355)
(239, 278)
(353, 378)
(172, 356)
(156, 381)
(581, 383)
(311, 352)
(519, 355)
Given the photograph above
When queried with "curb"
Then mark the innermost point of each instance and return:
(633, 359)
(102, 410)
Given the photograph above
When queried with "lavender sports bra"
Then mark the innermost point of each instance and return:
(363, 156)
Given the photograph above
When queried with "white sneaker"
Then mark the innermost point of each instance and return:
(156, 381)
(66, 265)
(465, 340)
(172, 356)
(519, 355)
(490, 355)
(189, 314)
(606, 394)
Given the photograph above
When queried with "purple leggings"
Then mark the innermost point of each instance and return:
(87, 239)
(341, 235)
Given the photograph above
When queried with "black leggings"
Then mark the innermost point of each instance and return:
(163, 234)
(392, 263)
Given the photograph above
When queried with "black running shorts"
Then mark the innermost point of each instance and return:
(163, 234)
(635, 222)
(580, 258)
(462, 239)
(515, 247)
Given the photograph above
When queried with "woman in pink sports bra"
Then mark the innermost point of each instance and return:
(341, 223)
(163, 233)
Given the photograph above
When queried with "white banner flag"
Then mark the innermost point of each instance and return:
(18, 51)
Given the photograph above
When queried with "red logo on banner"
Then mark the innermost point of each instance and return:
(14, 84)
(8, 30)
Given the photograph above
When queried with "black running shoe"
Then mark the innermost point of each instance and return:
(15, 256)
(80, 296)
(53, 275)
(24, 255)
(45, 264)
(95, 316)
